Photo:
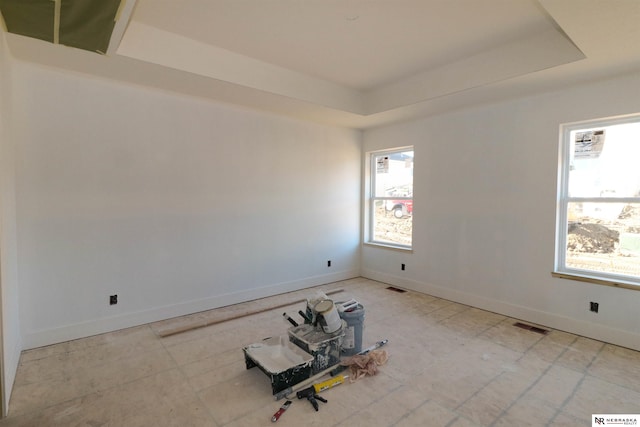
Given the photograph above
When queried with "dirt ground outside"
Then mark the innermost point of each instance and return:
(595, 244)
(391, 229)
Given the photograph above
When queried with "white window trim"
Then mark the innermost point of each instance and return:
(370, 199)
(563, 200)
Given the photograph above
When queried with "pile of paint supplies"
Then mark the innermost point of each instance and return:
(328, 340)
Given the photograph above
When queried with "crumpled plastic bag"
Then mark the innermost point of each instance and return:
(362, 365)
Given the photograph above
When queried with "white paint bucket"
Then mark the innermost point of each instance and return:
(328, 315)
(312, 301)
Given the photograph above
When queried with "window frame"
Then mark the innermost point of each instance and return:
(563, 200)
(371, 199)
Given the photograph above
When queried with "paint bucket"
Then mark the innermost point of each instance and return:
(328, 316)
(312, 301)
(352, 342)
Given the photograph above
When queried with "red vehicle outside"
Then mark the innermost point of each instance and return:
(400, 208)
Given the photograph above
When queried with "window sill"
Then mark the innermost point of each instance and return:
(598, 281)
(385, 246)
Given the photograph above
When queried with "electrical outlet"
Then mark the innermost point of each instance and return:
(329, 263)
(113, 299)
(402, 267)
(593, 306)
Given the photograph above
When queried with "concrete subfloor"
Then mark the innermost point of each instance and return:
(449, 365)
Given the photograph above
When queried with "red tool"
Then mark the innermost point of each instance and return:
(281, 411)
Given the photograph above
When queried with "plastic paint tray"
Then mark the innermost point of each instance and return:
(283, 362)
(325, 348)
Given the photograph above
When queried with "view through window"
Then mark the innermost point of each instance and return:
(599, 212)
(391, 201)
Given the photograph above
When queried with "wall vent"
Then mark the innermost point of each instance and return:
(401, 291)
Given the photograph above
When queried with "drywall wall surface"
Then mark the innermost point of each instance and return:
(11, 338)
(174, 204)
(484, 211)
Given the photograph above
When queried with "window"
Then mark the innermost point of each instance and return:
(390, 204)
(598, 235)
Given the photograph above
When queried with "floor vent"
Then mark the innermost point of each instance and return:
(401, 291)
(531, 328)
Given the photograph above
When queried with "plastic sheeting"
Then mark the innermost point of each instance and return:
(84, 24)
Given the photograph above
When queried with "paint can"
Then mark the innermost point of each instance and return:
(312, 301)
(352, 342)
(328, 316)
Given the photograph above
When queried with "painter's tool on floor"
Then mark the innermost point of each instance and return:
(332, 382)
(306, 318)
(293, 322)
(311, 395)
(283, 408)
(289, 390)
(333, 370)
(375, 346)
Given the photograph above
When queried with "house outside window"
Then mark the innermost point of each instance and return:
(598, 220)
(390, 198)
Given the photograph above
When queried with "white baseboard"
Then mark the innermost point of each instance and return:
(114, 323)
(555, 321)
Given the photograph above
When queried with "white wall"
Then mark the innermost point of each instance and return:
(179, 205)
(173, 203)
(484, 211)
(11, 339)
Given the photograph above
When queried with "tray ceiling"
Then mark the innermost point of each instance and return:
(357, 63)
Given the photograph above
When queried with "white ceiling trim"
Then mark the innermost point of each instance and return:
(149, 44)
(541, 51)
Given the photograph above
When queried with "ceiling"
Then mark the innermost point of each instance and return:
(358, 63)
